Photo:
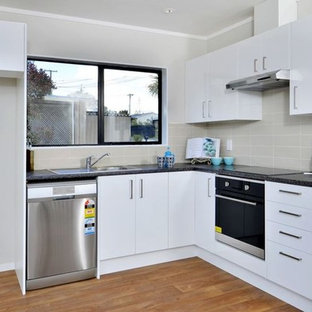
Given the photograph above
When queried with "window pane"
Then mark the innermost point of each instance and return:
(131, 106)
(62, 103)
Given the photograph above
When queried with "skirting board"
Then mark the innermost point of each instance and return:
(141, 260)
(150, 258)
(7, 266)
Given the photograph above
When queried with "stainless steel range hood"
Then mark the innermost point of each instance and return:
(262, 82)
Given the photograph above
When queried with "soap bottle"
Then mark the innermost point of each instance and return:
(168, 152)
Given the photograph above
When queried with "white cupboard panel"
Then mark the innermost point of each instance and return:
(290, 268)
(205, 211)
(151, 212)
(289, 236)
(116, 216)
(181, 208)
(12, 49)
(301, 67)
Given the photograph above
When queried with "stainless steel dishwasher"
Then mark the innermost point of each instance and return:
(61, 233)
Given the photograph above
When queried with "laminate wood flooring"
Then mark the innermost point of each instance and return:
(190, 285)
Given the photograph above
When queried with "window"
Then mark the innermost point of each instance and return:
(72, 103)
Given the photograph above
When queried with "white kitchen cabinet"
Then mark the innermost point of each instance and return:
(132, 214)
(288, 236)
(12, 49)
(205, 210)
(116, 216)
(151, 212)
(301, 67)
(196, 89)
(208, 100)
(181, 208)
(263, 53)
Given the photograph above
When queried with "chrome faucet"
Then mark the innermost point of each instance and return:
(89, 163)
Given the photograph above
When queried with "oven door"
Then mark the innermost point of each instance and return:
(240, 223)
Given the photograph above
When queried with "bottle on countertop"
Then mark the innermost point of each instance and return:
(168, 152)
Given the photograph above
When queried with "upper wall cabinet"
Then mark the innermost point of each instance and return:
(206, 96)
(196, 89)
(12, 49)
(301, 67)
(265, 52)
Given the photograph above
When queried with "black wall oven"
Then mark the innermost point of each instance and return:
(240, 214)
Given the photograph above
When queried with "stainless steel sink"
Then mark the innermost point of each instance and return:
(84, 170)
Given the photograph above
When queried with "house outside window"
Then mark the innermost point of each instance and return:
(71, 103)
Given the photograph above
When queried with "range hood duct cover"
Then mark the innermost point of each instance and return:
(262, 82)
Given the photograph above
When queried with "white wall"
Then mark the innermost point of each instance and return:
(7, 169)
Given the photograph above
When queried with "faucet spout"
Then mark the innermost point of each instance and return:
(89, 163)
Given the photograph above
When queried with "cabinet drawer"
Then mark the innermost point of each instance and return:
(290, 268)
(289, 194)
(289, 215)
(289, 236)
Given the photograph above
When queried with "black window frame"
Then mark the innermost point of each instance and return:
(101, 68)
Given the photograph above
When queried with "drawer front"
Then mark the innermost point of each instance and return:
(289, 215)
(289, 194)
(289, 236)
(290, 268)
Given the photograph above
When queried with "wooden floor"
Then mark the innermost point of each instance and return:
(189, 285)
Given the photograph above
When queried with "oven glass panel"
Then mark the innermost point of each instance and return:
(241, 221)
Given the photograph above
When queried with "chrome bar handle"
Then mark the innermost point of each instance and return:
(209, 180)
(141, 188)
(203, 109)
(290, 213)
(255, 65)
(264, 63)
(289, 256)
(290, 192)
(208, 108)
(291, 235)
(295, 97)
(237, 200)
(131, 189)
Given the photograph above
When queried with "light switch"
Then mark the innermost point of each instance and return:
(229, 145)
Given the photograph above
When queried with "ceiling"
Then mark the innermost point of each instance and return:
(193, 17)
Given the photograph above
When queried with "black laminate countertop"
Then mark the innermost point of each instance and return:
(247, 172)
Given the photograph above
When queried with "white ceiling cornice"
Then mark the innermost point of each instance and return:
(122, 26)
(97, 22)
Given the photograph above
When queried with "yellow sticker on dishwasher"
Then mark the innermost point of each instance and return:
(218, 229)
(89, 212)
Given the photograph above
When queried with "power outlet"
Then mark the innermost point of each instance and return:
(229, 144)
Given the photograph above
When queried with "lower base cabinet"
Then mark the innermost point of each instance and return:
(181, 208)
(132, 214)
(205, 210)
(290, 268)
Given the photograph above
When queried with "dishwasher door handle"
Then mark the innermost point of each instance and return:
(65, 197)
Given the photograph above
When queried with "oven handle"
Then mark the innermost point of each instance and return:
(237, 200)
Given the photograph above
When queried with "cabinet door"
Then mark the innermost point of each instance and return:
(151, 212)
(301, 67)
(116, 215)
(12, 49)
(181, 209)
(275, 49)
(205, 210)
(196, 89)
(250, 57)
(224, 68)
